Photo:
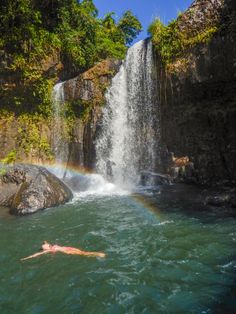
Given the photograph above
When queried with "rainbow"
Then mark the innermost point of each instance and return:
(72, 168)
(79, 170)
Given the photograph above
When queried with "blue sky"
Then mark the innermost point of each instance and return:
(145, 10)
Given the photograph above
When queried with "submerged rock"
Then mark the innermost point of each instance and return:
(217, 200)
(29, 188)
(233, 201)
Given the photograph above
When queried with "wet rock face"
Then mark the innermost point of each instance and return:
(198, 102)
(29, 188)
(91, 85)
(88, 90)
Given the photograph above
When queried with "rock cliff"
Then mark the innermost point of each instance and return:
(87, 92)
(28, 136)
(197, 97)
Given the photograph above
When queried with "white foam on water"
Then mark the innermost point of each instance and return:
(98, 186)
(87, 185)
(166, 222)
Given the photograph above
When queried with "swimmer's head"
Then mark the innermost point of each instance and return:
(46, 246)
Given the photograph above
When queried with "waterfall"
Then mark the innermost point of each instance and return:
(128, 142)
(59, 142)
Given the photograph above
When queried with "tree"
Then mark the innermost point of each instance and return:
(130, 27)
(18, 24)
(113, 36)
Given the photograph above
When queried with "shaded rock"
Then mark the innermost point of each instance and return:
(153, 178)
(233, 201)
(217, 200)
(197, 97)
(29, 188)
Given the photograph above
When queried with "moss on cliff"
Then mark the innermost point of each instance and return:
(27, 136)
(86, 92)
(192, 28)
(171, 43)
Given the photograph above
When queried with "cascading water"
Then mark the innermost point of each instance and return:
(60, 145)
(82, 185)
(128, 142)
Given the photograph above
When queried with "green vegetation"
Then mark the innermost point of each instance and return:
(30, 132)
(30, 137)
(171, 42)
(79, 108)
(3, 171)
(10, 158)
(39, 39)
(166, 39)
(32, 30)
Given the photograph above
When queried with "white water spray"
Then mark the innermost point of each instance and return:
(82, 185)
(128, 142)
(60, 145)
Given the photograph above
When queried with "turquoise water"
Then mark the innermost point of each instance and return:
(160, 259)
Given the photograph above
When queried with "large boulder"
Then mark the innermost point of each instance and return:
(26, 189)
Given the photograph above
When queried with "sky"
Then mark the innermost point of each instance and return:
(145, 10)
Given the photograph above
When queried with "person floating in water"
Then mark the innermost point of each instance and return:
(49, 248)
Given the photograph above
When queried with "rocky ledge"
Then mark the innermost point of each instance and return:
(26, 189)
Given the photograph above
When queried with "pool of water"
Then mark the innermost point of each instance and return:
(161, 258)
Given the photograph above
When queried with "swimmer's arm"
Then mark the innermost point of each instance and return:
(35, 255)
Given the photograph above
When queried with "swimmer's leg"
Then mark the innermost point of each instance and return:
(89, 254)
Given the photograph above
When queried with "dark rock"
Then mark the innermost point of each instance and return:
(29, 188)
(152, 178)
(218, 200)
(197, 97)
(233, 201)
